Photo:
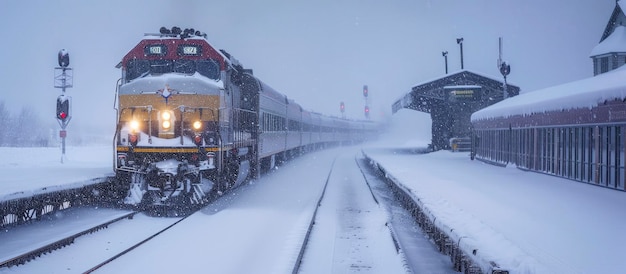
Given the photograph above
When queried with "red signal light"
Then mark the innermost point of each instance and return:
(197, 139)
(133, 138)
(63, 108)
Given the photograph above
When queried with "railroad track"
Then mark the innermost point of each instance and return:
(296, 267)
(62, 242)
(399, 247)
(112, 258)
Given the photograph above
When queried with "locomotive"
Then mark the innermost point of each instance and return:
(192, 122)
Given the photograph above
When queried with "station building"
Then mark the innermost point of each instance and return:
(451, 100)
(610, 53)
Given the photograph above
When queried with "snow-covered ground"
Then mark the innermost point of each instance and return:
(527, 222)
(257, 228)
(32, 170)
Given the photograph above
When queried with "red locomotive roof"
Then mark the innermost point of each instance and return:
(172, 48)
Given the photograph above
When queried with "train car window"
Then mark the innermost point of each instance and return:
(208, 68)
(161, 66)
(136, 68)
(185, 66)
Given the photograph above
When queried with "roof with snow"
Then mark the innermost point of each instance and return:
(615, 42)
(429, 94)
(617, 19)
(585, 93)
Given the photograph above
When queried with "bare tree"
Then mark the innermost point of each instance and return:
(5, 119)
(25, 129)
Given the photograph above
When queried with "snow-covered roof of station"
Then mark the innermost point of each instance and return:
(458, 72)
(585, 93)
(616, 42)
(456, 86)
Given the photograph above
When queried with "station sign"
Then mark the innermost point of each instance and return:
(463, 93)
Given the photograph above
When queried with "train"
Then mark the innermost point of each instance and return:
(192, 122)
(575, 130)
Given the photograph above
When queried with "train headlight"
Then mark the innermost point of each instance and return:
(197, 125)
(134, 125)
(167, 122)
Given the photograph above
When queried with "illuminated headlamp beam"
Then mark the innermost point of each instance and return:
(197, 125)
(134, 125)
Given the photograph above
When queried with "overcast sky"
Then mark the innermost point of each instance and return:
(316, 52)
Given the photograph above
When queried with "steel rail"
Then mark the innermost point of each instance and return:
(296, 267)
(29, 255)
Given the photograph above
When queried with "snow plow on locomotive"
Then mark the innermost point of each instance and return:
(193, 123)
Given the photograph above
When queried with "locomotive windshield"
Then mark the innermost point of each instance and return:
(136, 68)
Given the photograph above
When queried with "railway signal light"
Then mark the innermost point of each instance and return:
(505, 69)
(342, 107)
(365, 91)
(63, 108)
(64, 58)
(367, 112)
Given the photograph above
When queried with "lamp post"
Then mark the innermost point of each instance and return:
(505, 69)
(445, 56)
(460, 42)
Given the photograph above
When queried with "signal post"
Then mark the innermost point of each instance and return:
(63, 79)
(367, 107)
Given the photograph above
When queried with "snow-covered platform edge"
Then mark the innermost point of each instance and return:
(29, 194)
(464, 250)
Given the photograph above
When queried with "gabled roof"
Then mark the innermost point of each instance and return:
(617, 11)
(427, 95)
(616, 42)
(455, 74)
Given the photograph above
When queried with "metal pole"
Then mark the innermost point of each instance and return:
(461, 55)
(445, 56)
(506, 93)
(460, 42)
(63, 124)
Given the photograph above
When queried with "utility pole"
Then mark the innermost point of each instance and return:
(445, 56)
(63, 78)
(460, 42)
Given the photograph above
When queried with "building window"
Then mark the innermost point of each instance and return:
(604, 64)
